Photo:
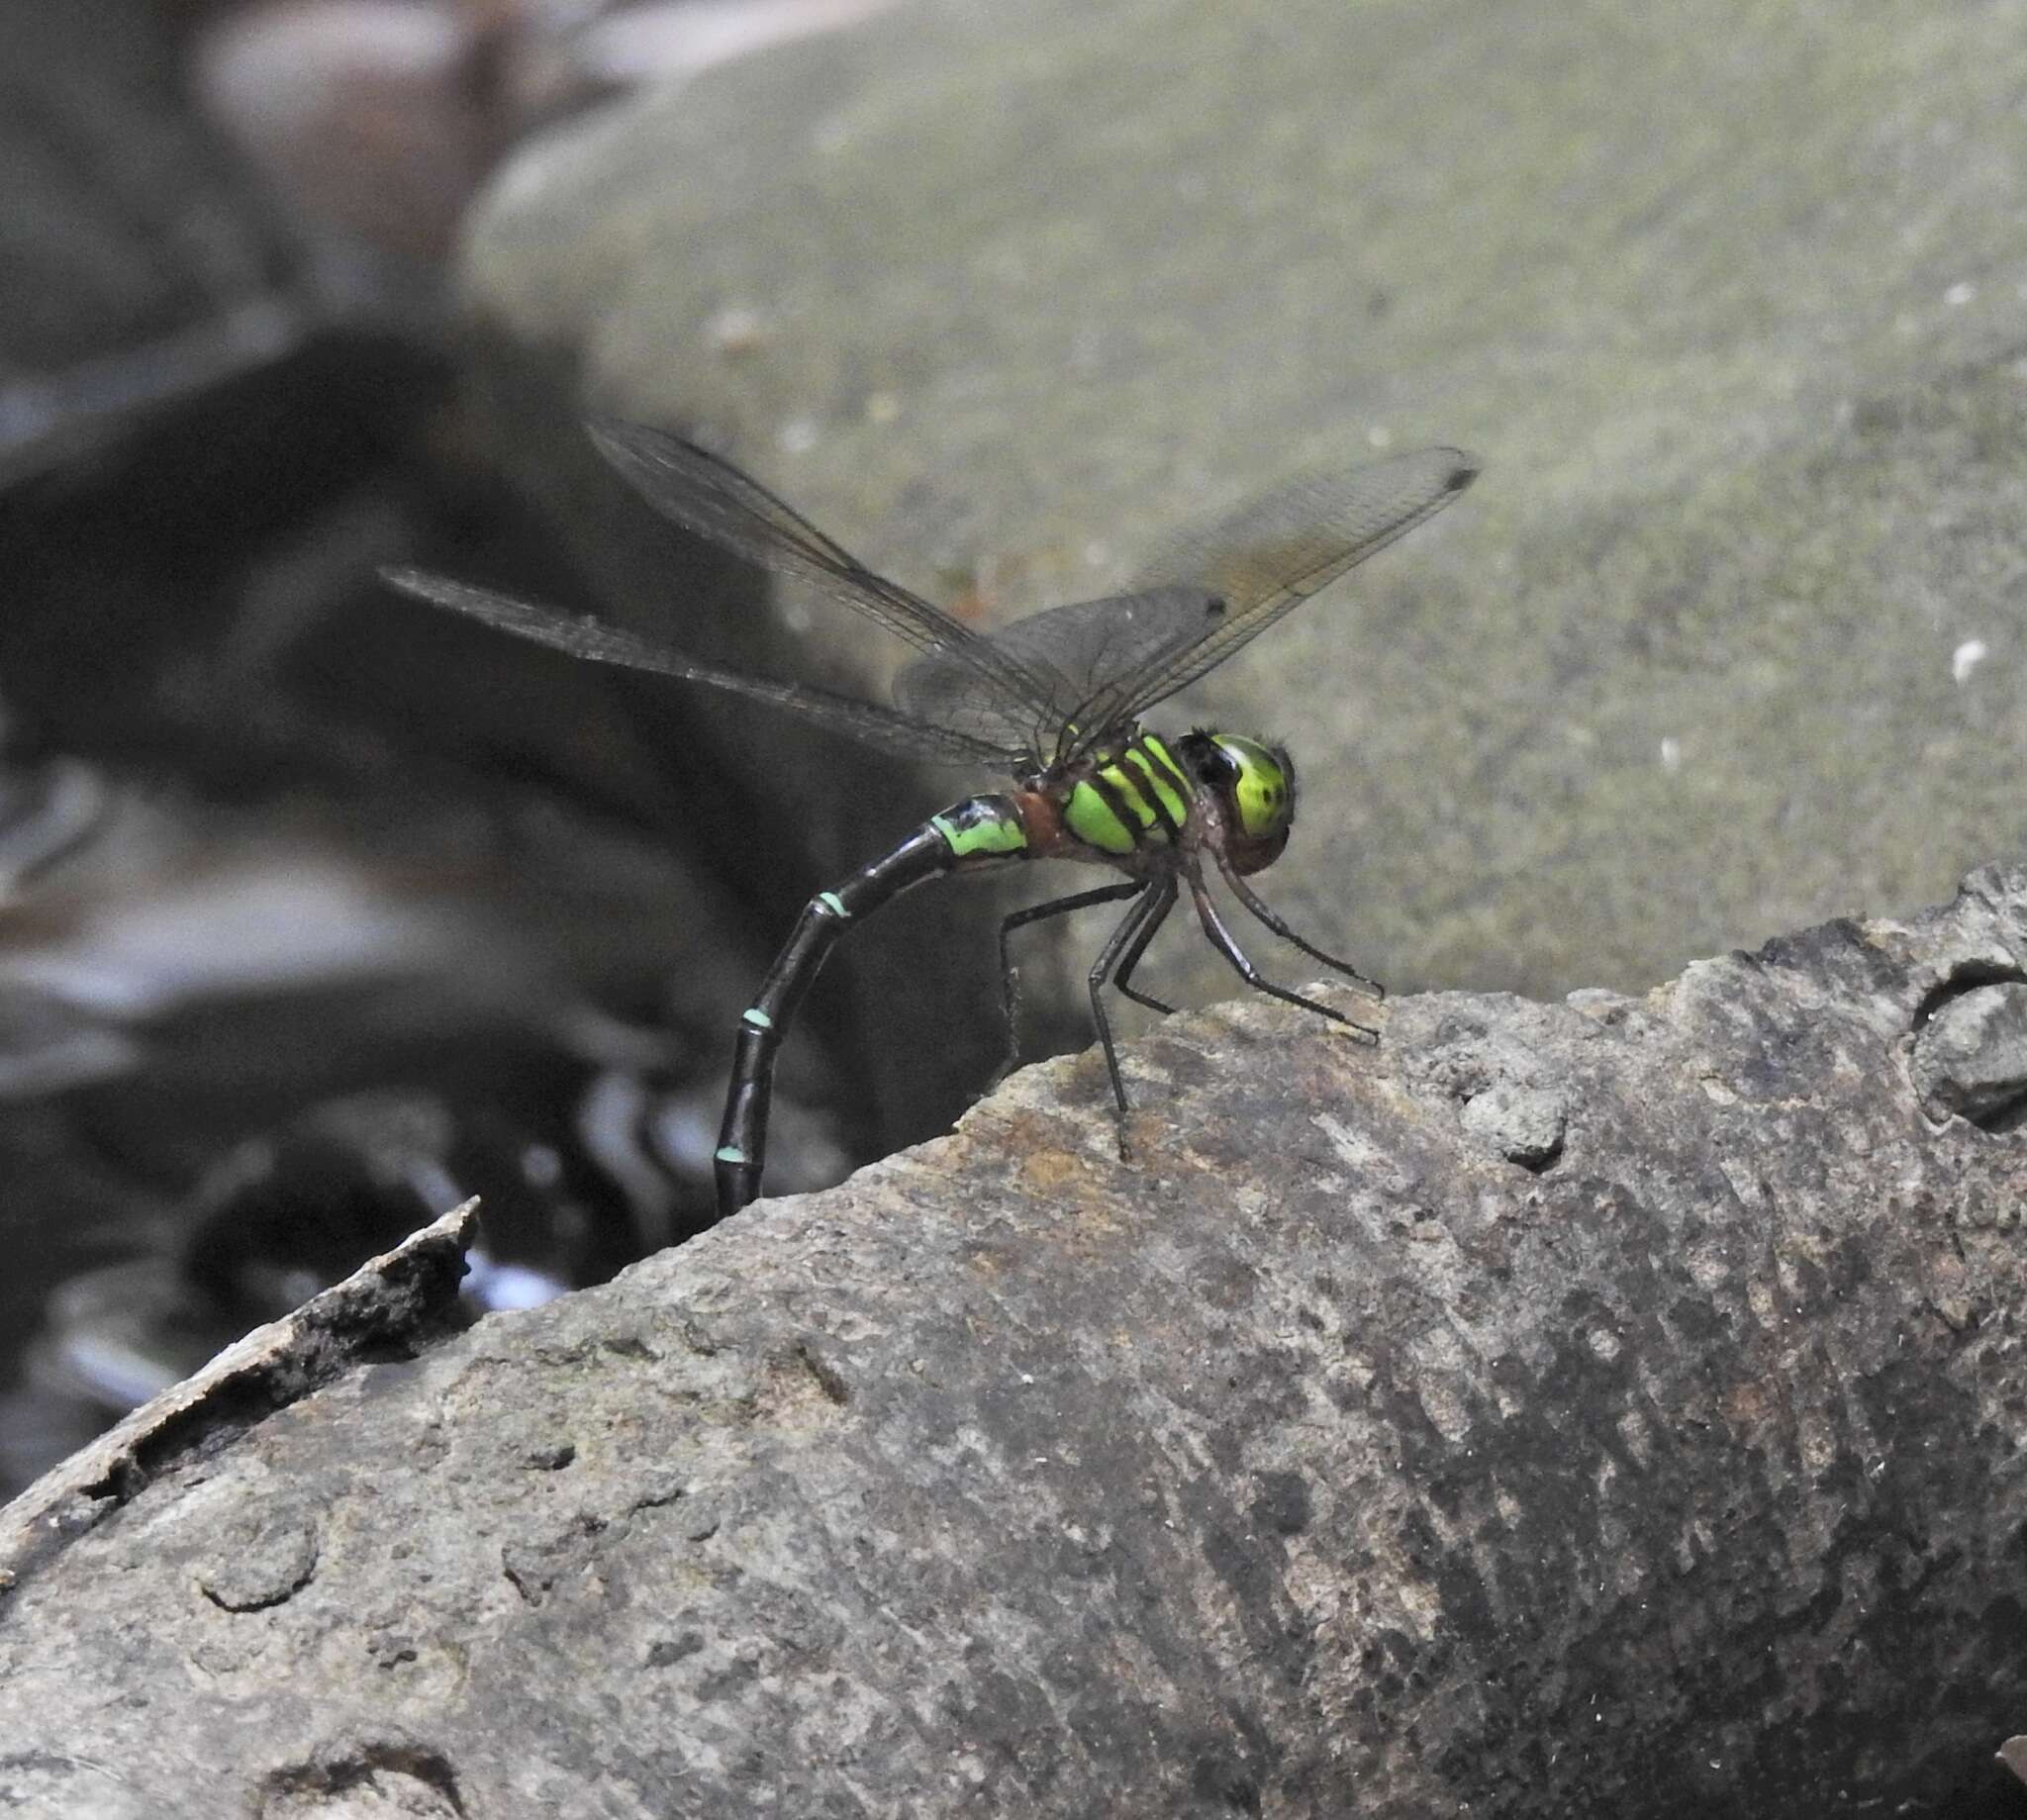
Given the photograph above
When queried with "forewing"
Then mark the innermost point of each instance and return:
(1270, 554)
(1079, 653)
(706, 495)
(597, 642)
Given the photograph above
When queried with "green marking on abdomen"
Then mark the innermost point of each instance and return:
(730, 1153)
(973, 828)
(831, 902)
(758, 1018)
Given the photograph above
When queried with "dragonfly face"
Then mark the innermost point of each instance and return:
(1254, 783)
(1053, 702)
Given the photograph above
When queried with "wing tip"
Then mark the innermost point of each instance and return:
(1465, 467)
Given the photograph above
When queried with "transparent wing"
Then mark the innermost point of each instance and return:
(1272, 553)
(710, 496)
(601, 643)
(1075, 651)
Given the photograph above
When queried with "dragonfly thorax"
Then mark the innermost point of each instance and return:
(1144, 796)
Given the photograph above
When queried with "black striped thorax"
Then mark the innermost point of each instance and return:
(1135, 794)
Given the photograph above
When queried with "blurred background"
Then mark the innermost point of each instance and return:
(319, 911)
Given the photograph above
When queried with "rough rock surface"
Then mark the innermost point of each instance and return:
(1646, 1444)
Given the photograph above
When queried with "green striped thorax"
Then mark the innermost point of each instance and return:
(1133, 800)
(1115, 808)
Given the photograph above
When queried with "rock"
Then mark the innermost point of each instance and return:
(1322, 1460)
(367, 116)
(1971, 1057)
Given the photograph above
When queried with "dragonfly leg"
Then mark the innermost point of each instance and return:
(1153, 903)
(1010, 975)
(1253, 901)
(1220, 939)
(1166, 890)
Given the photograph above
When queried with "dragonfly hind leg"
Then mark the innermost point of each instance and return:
(1221, 940)
(1010, 975)
(1254, 902)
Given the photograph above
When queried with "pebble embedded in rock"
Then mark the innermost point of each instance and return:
(1971, 1057)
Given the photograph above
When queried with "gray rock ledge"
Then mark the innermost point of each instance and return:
(1613, 1406)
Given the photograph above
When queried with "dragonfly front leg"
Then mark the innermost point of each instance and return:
(1220, 939)
(1252, 901)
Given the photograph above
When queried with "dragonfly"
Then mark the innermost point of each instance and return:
(1053, 702)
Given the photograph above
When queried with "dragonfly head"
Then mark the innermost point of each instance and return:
(1254, 784)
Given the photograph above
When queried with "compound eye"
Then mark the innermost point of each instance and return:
(1263, 790)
